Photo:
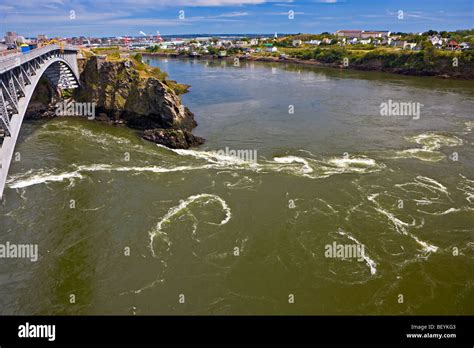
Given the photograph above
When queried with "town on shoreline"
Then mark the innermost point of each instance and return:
(448, 54)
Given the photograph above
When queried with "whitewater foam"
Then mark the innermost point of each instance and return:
(370, 263)
(467, 187)
(435, 141)
(425, 182)
(42, 177)
(211, 156)
(182, 206)
(469, 126)
(294, 165)
(305, 169)
(401, 226)
(430, 144)
(45, 176)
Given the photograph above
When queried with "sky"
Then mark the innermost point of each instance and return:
(100, 18)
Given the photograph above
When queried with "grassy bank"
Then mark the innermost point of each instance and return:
(114, 54)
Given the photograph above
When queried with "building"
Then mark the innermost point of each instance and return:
(167, 45)
(349, 33)
(453, 46)
(409, 45)
(203, 39)
(296, 43)
(374, 33)
(464, 45)
(436, 40)
(363, 34)
(397, 43)
(42, 37)
(11, 38)
(21, 39)
(241, 44)
(272, 49)
(253, 42)
(143, 44)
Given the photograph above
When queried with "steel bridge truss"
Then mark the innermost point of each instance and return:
(19, 75)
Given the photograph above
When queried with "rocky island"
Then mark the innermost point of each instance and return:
(127, 91)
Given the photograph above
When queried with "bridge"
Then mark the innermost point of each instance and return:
(19, 75)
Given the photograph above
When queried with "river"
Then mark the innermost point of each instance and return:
(124, 226)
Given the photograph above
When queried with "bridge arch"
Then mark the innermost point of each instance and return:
(19, 76)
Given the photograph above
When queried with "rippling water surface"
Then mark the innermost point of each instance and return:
(333, 171)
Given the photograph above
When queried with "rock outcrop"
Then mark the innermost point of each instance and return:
(126, 92)
(173, 138)
(42, 101)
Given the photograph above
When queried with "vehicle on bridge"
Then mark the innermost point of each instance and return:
(24, 48)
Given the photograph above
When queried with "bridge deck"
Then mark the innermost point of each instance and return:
(14, 60)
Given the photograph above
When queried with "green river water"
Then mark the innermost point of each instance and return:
(236, 237)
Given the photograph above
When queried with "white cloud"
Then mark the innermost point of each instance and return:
(284, 13)
(233, 14)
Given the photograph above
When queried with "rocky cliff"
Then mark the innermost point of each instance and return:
(126, 90)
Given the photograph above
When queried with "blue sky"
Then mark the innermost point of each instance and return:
(130, 17)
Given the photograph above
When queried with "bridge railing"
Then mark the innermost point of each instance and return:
(9, 62)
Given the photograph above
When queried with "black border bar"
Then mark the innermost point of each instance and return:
(194, 330)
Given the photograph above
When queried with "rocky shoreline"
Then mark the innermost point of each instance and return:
(124, 92)
(370, 66)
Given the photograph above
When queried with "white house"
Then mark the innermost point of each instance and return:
(409, 45)
(166, 45)
(241, 44)
(397, 43)
(296, 43)
(253, 42)
(464, 45)
(177, 42)
(222, 43)
(435, 40)
(272, 49)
